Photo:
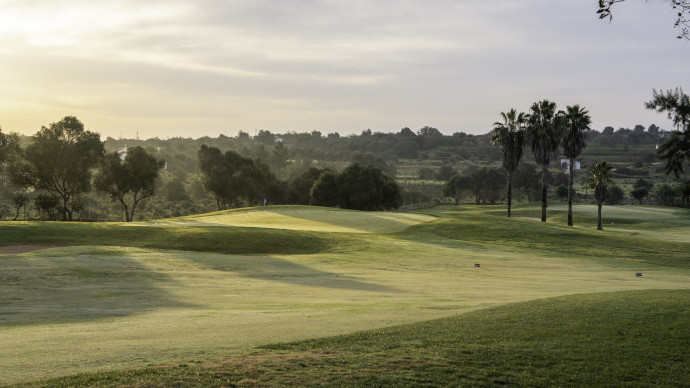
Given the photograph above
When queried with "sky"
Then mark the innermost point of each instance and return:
(174, 68)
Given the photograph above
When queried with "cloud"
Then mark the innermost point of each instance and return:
(330, 65)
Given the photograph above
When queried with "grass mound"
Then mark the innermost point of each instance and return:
(635, 338)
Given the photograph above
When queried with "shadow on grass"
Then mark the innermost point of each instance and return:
(78, 284)
(280, 270)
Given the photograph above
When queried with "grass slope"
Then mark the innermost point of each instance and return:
(115, 296)
(630, 338)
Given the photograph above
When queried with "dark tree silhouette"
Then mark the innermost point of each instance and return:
(681, 7)
(577, 123)
(510, 135)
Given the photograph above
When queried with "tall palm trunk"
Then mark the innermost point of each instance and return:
(544, 177)
(510, 191)
(599, 203)
(570, 192)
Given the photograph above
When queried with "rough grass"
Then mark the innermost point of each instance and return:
(615, 339)
(117, 296)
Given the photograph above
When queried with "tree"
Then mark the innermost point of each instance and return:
(544, 133)
(614, 195)
(510, 136)
(46, 204)
(301, 185)
(562, 192)
(667, 193)
(325, 191)
(367, 188)
(232, 178)
(681, 7)
(9, 147)
(676, 150)
(59, 161)
(641, 189)
(455, 186)
(577, 123)
(175, 191)
(486, 185)
(445, 172)
(640, 193)
(601, 177)
(528, 180)
(19, 200)
(128, 181)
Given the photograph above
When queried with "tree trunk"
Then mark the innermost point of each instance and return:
(544, 177)
(510, 191)
(599, 203)
(17, 216)
(570, 192)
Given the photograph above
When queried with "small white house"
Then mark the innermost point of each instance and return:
(566, 165)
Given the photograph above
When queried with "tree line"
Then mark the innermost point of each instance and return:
(285, 169)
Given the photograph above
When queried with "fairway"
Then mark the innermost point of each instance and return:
(301, 218)
(87, 308)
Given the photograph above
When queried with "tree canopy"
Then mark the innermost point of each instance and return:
(128, 181)
(676, 150)
(59, 161)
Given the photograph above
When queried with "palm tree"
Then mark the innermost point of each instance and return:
(577, 122)
(601, 176)
(510, 136)
(544, 133)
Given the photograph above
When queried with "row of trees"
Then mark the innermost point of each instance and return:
(61, 160)
(235, 180)
(545, 129)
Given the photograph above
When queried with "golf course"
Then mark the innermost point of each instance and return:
(299, 295)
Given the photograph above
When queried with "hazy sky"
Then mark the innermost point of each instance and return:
(205, 67)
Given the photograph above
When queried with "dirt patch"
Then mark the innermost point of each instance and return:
(16, 249)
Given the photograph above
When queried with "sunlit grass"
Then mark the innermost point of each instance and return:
(614, 339)
(138, 295)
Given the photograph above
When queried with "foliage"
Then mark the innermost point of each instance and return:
(46, 204)
(445, 173)
(300, 186)
(640, 193)
(19, 200)
(358, 188)
(59, 160)
(232, 178)
(681, 8)
(175, 191)
(9, 147)
(510, 135)
(367, 188)
(614, 195)
(486, 185)
(667, 193)
(128, 181)
(544, 133)
(325, 190)
(602, 176)
(676, 150)
(456, 185)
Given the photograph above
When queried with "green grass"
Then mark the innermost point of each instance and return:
(210, 288)
(614, 339)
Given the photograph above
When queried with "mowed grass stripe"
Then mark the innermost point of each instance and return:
(491, 227)
(637, 338)
(220, 239)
